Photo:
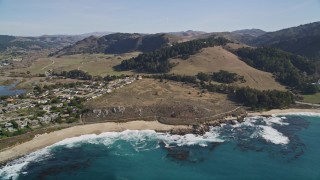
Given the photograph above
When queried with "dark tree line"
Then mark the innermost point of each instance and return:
(178, 78)
(221, 76)
(289, 69)
(253, 98)
(264, 99)
(158, 61)
(74, 74)
(81, 75)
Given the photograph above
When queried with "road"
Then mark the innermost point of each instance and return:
(310, 104)
(48, 65)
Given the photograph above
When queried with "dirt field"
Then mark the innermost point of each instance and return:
(217, 58)
(95, 64)
(147, 98)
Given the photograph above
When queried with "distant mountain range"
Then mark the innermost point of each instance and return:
(189, 33)
(16, 43)
(303, 40)
(251, 32)
(21, 44)
(119, 43)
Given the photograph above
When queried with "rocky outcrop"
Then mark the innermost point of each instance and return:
(172, 114)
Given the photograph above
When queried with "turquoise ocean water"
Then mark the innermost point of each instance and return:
(284, 147)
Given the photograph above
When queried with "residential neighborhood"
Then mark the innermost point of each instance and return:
(54, 104)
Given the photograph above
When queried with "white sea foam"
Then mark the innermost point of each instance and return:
(191, 139)
(272, 135)
(136, 138)
(248, 121)
(14, 168)
(139, 138)
(275, 120)
(299, 114)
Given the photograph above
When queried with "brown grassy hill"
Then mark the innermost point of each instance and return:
(218, 58)
(168, 102)
(119, 43)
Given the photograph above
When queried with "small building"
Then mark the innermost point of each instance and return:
(8, 125)
(139, 77)
(22, 124)
(42, 101)
(45, 119)
(46, 108)
(33, 123)
(59, 105)
(10, 100)
(11, 129)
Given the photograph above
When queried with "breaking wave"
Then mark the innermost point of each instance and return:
(251, 130)
(272, 135)
(313, 114)
(138, 139)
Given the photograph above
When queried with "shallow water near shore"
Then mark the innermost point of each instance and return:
(10, 90)
(284, 147)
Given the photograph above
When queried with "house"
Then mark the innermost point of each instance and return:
(33, 123)
(8, 125)
(139, 77)
(54, 116)
(10, 100)
(22, 124)
(11, 129)
(65, 115)
(45, 119)
(46, 108)
(42, 101)
(59, 105)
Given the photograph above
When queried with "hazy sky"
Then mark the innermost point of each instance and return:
(38, 17)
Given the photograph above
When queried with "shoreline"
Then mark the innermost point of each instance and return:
(44, 140)
(47, 139)
(290, 111)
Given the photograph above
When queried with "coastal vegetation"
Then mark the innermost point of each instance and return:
(158, 61)
(214, 59)
(291, 70)
(256, 99)
(74, 74)
(169, 102)
(221, 77)
(94, 64)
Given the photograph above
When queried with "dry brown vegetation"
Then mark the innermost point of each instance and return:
(217, 58)
(95, 64)
(176, 103)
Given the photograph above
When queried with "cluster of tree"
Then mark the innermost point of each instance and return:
(253, 98)
(221, 76)
(264, 99)
(81, 75)
(291, 70)
(158, 61)
(74, 74)
(178, 78)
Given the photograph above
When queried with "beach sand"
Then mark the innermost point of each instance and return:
(44, 140)
(284, 111)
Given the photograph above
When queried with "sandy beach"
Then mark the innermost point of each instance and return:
(45, 140)
(284, 111)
